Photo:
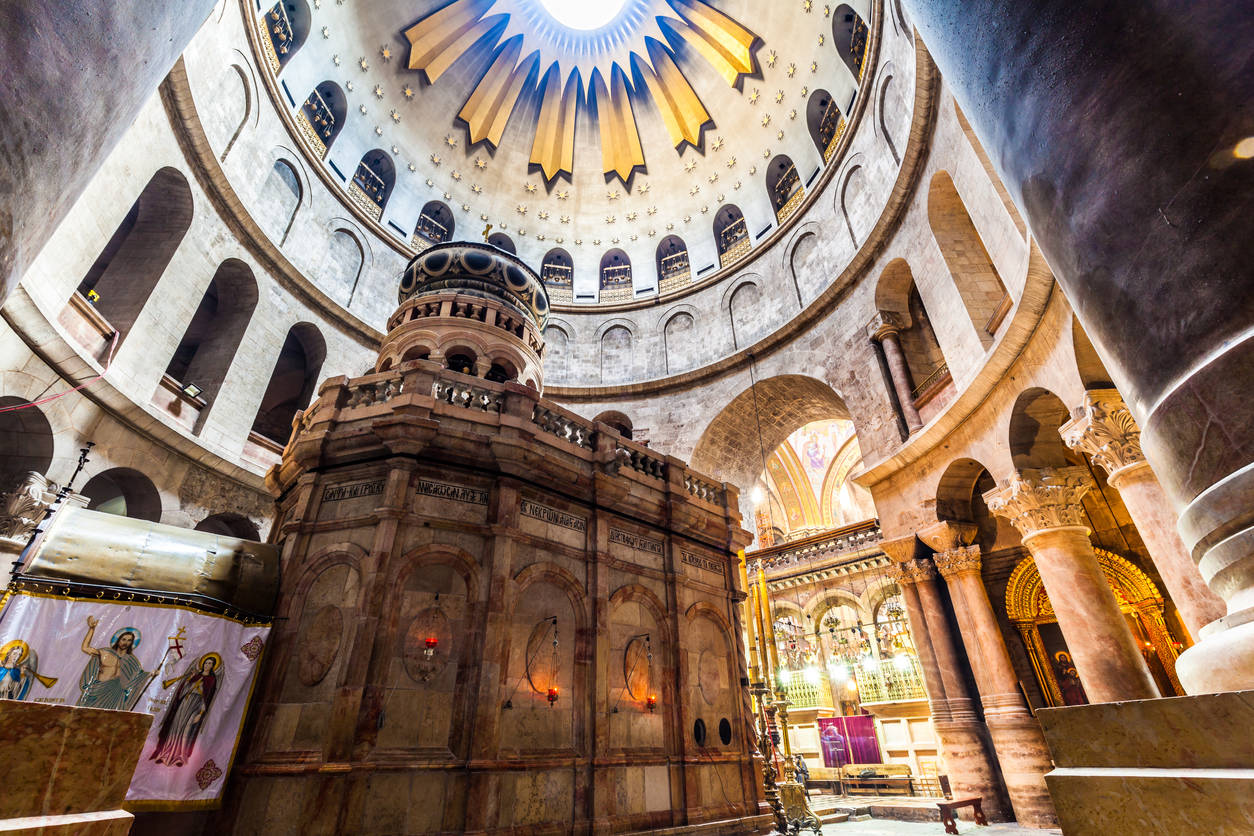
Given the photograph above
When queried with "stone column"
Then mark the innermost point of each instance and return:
(1017, 738)
(1158, 272)
(885, 328)
(901, 551)
(1103, 428)
(1045, 506)
(968, 753)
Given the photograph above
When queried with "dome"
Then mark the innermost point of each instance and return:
(477, 270)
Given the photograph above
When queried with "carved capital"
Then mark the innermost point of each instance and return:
(885, 323)
(920, 569)
(948, 534)
(1039, 500)
(22, 508)
(964, 560)
(901, 549)
(1103, 428)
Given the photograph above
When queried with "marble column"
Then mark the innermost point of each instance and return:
(902, 551)
(1103, 428)
(964, 739)
(1045, 506)
(1017, 738)
(885, 328)
(1153, 253)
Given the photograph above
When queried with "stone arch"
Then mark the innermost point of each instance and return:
(782, 183)
(983, 292)
(615, 277)
(248, 108)
(679, 339)
(127, 270)
(287, 25)
(213, 335)
(123, 491)
(437, 554)
(281, 196)
(1089, 366)
(830, 599)
(229, 524)
(618, 420)
(26, 441)
(782, 404)
(1033, 434)
(529, 605)
(502, 242)
(616, 352)
(292, 382)
(436, 224)
(849, 35)
(896, 292)
(852, 190)
(324, 112)
(886, 104)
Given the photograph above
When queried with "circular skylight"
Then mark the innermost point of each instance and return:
(583, 14)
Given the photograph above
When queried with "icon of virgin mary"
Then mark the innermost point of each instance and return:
(186, 715)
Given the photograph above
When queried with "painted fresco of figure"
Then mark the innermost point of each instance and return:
(186, 715)
(19, 669)
(113, 678)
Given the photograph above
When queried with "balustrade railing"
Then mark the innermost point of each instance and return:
(640, 461)
(563, 427)
(895, 679)
(849, 538)
(467, 395)
(702, 489)
(370, 392)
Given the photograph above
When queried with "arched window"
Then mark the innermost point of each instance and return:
(321, 117)
(124, 275)
(558, 274)
(731, 235)
(213, 335)
(125, 492)
(615, 277)
(502, 242)
(825, 121)
(783, 186)
(372, 182)
(287, 27)
(925, 363)
(229, 525)
(977, 280)
(673, 269)
(849, 33)
(292, 382)
(25, 442)
(435, 225)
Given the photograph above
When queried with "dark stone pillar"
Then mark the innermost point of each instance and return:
(1115, 127)
(75, 76)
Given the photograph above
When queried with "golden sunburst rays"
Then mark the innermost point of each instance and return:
(648, 68)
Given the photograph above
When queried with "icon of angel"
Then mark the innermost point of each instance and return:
(19, 669)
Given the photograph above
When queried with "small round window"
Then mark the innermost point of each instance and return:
(698, 731)
(724, 731)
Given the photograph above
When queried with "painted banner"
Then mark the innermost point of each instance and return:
(845, 740)
(193, 671)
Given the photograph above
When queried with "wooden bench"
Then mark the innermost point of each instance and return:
(947, 809)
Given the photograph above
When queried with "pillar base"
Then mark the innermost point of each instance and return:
(1024, 760)
(969, 762)
(1223, 659)
(1164, 766)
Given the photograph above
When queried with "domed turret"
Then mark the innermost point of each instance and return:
(475, 308)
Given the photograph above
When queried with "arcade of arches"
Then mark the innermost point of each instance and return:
(855, 390)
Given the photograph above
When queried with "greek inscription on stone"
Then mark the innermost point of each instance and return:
(632, 541)
(339, 492)
(552, 515)
(700, 561)
(457, 493)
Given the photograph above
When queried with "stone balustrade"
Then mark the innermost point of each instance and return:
(562, 426)
(839, 541)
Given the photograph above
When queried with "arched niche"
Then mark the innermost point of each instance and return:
(229, 524)
(125, 492)
(673, 268)
(372, 182)
(287, 25)
(620, 422)
(324, 112)
(1033, 437)
(615, 275)
(435, 223)
(783, 186)
(824, 121)
(26, 441)
(502, 242)
(897, 293)
(731, 236)
(849, 34)
(292, 382)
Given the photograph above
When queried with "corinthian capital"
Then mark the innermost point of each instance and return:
(885, 323)
(1103, 428)
(964, 560)
(920, 569)
(1039, 500)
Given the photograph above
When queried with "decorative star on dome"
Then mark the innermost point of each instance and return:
(530, 55)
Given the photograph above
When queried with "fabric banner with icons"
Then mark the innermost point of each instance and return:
(193, 671)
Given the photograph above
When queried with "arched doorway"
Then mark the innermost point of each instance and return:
(125, 492)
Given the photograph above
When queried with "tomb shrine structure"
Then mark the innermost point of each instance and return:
(497, 616)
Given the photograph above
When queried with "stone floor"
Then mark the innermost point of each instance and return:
(883, 827)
